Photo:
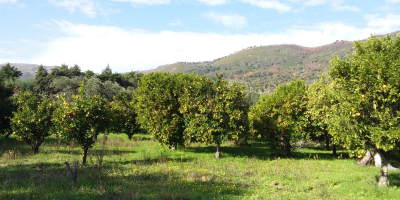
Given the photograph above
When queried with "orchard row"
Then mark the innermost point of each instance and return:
(355, 105)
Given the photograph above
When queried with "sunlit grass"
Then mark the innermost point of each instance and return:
(143, 169)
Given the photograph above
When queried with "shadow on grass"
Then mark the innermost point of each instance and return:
(106, 152)
(262, 152)
(51, 181)
(394, 179)
(161, 159)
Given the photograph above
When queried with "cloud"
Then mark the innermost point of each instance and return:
(336, 5)
(214, 2)
(393, 1)
(386, 24)
(88, 7)
(265, 4)
(8, 1)
(93, 47)
(228, 20)
(146, 2)
(176, 23)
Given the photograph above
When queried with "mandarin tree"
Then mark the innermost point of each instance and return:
(369, 114)
(158, 108)
(213, 110)
(320, 98)
(83, 119)
(32, 120)
(124, 114)
(279, 117)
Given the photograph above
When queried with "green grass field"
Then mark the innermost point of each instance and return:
(143, 169)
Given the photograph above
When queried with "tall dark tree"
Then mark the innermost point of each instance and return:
(8, 72)
(89, 74)
(6, 108)
(42, 82)
(106, 74)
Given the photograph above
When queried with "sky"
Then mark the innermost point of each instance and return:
(131, 35)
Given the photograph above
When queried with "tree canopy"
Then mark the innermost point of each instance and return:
(278, 118)
(32, 120)
(369, 106)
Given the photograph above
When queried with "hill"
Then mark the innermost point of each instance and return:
(263, 68)
(28, 70)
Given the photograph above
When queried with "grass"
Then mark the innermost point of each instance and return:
(143, 169)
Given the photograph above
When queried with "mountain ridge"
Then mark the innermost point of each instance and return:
(263, 68)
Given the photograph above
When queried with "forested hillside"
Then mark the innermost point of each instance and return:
(263, 68)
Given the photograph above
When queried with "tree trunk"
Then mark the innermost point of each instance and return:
(85, 152)
(8, 134)
(218, 153)
(74, 173)
(285, 145)
(334, 149)
(174, 147)
(130, 136)
(327, 141)
(384, 179)
(368, 158)
(35, 149)
(35, 146)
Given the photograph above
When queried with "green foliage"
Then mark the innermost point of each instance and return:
(213, 111)
(106, 74)
(32, 120)
(107, 89)
(8, 72)
(65, 70)
(88, 74)
(158, 108)
(82, 120)
(66, 86)
(369, 105)
(279, 117)
(124, 115)
(25, 84)
(6, 108)
(42, 82)
(180, 108)
(110, 89)
(320, 99)
(8, 75)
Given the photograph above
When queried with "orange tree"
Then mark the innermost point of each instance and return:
(32, 120)
(181, 108)
(124, 115)
(368, 115)
(83, 119)
(213, 110)
(279, 117)
(320, 98)
(157, 108)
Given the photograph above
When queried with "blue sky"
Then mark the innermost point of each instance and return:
(143, 34)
